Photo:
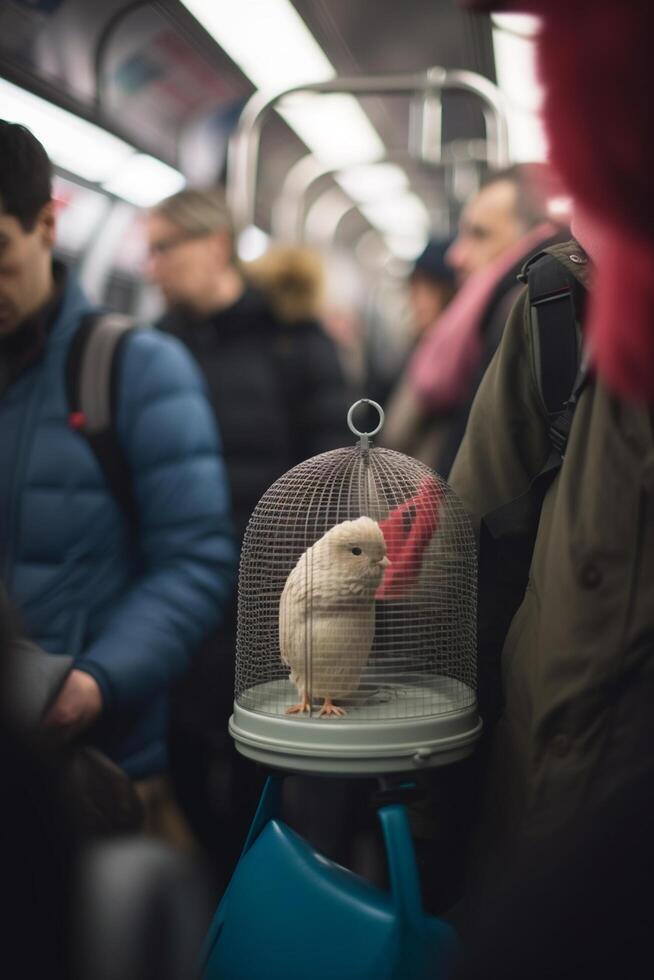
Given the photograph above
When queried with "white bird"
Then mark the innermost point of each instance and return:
(327, 613)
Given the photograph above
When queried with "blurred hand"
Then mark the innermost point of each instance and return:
(77, 706)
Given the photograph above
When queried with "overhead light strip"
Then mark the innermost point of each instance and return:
(267, 39)
(514, 50)
(71, 142)
(86, 150)
(274, 48)
(144, 181)
(272, 45)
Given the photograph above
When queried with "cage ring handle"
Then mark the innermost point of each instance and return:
(351, 425)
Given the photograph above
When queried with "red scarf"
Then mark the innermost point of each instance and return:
(444, 365)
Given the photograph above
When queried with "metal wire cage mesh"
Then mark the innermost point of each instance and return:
(357, 617)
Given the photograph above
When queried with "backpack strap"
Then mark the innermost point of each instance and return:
(556, 305)
(508, 534)
(92, 373)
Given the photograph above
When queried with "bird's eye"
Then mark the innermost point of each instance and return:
(357, 551)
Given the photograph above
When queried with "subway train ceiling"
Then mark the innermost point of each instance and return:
(152, 74)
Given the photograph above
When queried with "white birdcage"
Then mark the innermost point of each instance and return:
(345, 663)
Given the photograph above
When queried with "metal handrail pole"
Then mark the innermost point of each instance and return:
(244, 145)
(289, 205)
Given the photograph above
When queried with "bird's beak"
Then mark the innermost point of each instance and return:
(385, 562)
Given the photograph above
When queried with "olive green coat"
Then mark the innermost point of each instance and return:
(578, 661)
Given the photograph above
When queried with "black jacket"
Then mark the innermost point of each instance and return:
(277, 388)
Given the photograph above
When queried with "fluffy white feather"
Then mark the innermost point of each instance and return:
(327, 612)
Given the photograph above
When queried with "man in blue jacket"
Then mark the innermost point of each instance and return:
(129, 604)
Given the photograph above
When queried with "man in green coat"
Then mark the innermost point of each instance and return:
(578, 657)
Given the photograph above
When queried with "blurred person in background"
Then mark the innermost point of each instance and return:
(279, 393)
(500, 227)
(274, 377)
(431, 286)
(129, 604)
(596, 108)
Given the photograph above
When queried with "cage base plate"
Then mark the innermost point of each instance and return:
(385, 731)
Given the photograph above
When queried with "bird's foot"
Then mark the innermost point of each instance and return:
(329, 708)
(296, 709)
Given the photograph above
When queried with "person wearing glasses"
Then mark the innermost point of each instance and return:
(279, 394)
(274, 377)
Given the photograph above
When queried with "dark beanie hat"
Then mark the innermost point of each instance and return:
(431, 262)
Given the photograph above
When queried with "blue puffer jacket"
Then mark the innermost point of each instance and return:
(130, 616)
